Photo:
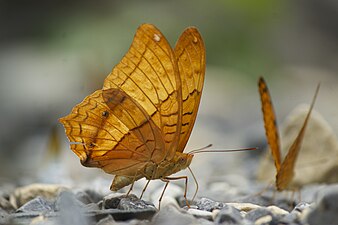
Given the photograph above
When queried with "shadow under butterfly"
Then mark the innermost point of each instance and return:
(285, 170)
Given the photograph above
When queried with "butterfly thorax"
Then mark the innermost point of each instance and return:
(168, 167)
(153, 171)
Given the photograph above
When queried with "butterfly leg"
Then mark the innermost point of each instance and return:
(131, 188)
(299, 194)
(196, 183)
(294, 192)
(144, 189)
(185, 188)
(165, 187)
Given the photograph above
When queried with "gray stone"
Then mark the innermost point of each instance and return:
(300, 207)
(108, 220)
(37, 204)
(67, 196)
(229, 215)
(130, 202)
(24, 194)
(267, 215)
(112, 200)
(3, 217)
(326, 209)
(94, 195)
(83, 197)
(170, 214)
(209, 205)
(71, 210)
(255, 214)
(91, 207)
(200, 213)
(121, 215)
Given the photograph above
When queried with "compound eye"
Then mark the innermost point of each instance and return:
(182, 160)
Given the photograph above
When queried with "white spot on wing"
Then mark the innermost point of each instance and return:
(157, 37)
(195, 40)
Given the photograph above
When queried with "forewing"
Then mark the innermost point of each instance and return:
(270, 122)
(149, 74)
(109, 130)
(286, 172)
(190, 54)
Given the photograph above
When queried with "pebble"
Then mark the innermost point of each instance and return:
(172, 215)
(228, 215)
(3, 216)
(258, 213)
(71, 210)
(83, 197)
(201, 214)
(38, 204)
(76, 206)
(325, 211)
(209, 205)
(121, 201)
(24, 194)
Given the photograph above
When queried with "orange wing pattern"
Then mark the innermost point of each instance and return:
(270, 122)
(146, 110)
(111, 131)
(190, 54)
(285, 170)
(149, 74)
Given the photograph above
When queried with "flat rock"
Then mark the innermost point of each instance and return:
(228, 215)
(209, 205)
(38, 204)
(83, 197)
(71, 210)
(246, 207)
(172, 215)
(200, 214)
(3, 217)
(121, 215)
(325, 211)
(24, 194)
(130, 202)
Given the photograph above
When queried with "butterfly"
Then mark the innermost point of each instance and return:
(285, 168)
(138, 124)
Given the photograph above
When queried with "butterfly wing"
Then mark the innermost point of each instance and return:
(270, 122)
(190, 54)
(110, 130)
(285, 174)
(149, 74)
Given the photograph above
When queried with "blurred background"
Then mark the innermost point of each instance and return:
(54, 53)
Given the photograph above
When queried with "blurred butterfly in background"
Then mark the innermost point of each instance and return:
(285, 168)
(138, 124)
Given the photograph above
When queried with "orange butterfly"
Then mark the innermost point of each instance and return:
(139, 123)
(285, 169)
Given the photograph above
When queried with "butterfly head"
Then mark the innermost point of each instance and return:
(182, 161)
